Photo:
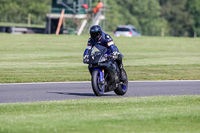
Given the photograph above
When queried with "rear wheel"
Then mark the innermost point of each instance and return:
(97, 86)
(122, 87)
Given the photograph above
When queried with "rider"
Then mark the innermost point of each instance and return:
(97, 36)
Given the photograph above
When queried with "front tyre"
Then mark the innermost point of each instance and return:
(97, 86)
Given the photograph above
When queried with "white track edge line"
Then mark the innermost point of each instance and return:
(159, 81)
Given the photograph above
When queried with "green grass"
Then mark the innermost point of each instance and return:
(160, 114)
(46, 58)
(50, 58)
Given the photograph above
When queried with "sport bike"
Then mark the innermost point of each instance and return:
(105, 73)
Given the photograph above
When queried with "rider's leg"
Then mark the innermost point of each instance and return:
(122, 71)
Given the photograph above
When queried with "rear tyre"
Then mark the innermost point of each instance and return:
(97, 87)
(122, 87)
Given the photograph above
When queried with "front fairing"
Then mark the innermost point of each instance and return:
(96, 54)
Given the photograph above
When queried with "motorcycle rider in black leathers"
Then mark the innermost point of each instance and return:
(97, 36)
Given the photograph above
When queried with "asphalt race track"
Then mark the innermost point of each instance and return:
(30, 92)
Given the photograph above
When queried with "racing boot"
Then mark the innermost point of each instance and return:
(123, 76)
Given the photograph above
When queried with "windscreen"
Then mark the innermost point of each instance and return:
(123, 29)
(98, 50)
(96, 53)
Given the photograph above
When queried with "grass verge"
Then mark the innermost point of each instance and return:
(128, 115)
(50, 58)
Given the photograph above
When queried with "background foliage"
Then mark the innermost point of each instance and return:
(177, 17)
(16, 11)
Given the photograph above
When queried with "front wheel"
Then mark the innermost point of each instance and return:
(97, 86)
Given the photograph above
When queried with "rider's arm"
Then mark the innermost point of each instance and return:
(89, 46)
(114, 48)
(111, 44)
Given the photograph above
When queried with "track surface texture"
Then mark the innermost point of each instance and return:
(31, 92)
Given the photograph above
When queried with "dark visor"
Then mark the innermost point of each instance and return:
(94, 35)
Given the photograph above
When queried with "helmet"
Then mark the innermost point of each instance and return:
(95, 32)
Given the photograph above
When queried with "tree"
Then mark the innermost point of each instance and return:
(17, 11)
(178, 17)
(193, 6)
(144, 15)
(148, 15)
(118, 15)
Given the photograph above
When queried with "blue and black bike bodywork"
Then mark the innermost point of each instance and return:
(104, 71)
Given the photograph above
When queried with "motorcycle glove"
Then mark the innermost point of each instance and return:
(115, 55)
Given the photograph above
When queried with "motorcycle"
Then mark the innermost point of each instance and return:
(105, 73)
